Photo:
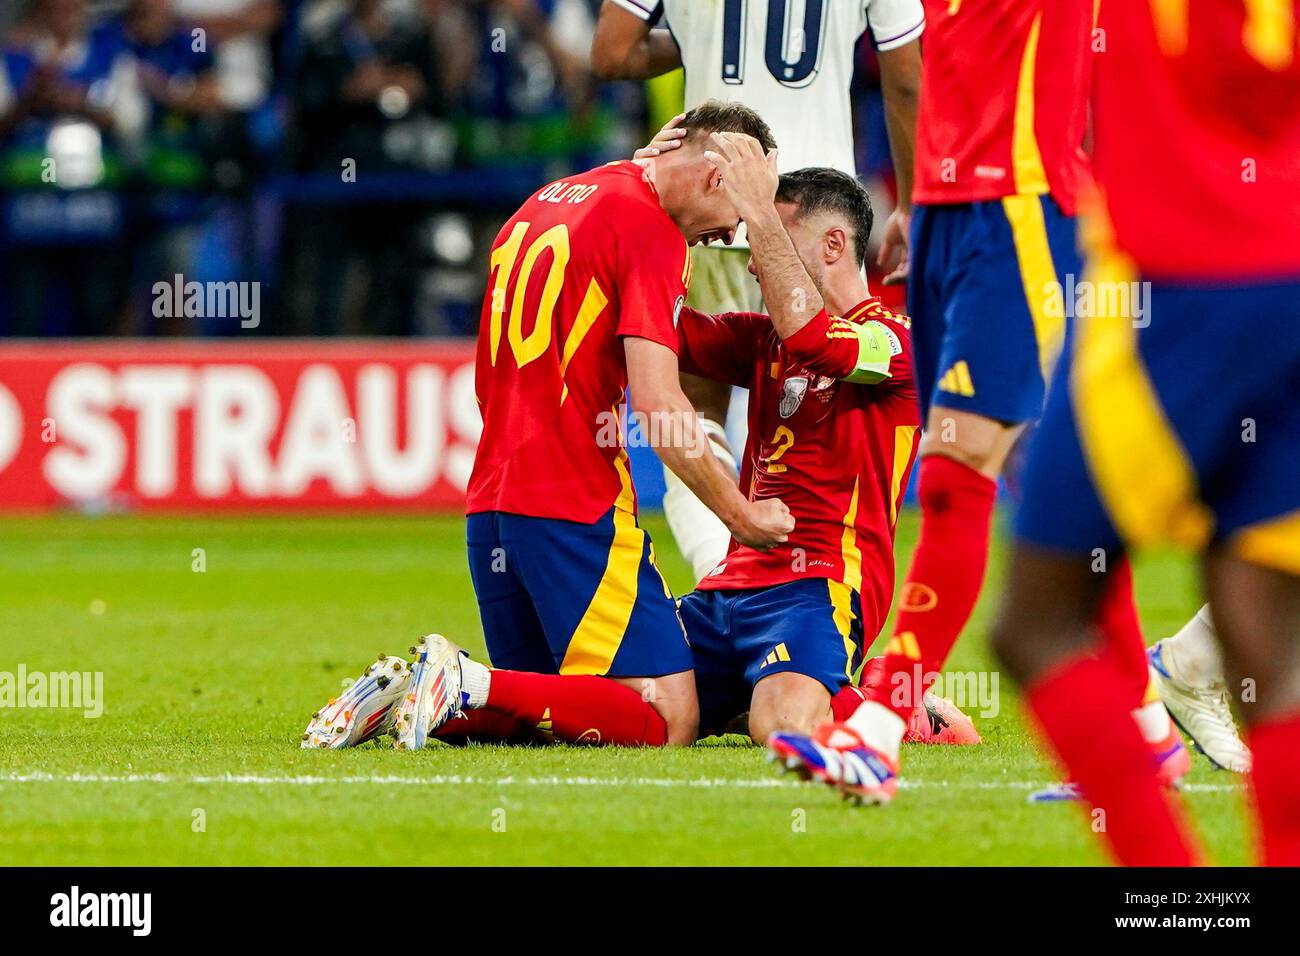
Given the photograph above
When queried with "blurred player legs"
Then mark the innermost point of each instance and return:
(1244, 525)
(968, 263)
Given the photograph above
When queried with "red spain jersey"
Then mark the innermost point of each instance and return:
(1004, 100)
(838, 454)
(583, 263)
(1197, 149)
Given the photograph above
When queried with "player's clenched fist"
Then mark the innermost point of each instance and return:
(749, 177)
(764, 524)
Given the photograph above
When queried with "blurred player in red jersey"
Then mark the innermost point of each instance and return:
(998, 166)
(1176, 414)
(587, 283)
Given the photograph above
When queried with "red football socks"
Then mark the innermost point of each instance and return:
(1117, 620)
(846, 702)
(1085, 710)
(485, 726)
(943, 582)
(1275, 788)
(577, 709)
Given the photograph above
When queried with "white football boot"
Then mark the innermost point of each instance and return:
(1203, 714)
(366, 709)
(434, 694)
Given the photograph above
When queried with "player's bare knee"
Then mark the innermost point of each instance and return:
(762, 721)
(981, 444)
(683, 720)
(977, 457)
(787, 702)
(768, 719)
(674, 698)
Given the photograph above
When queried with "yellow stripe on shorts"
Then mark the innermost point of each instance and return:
(842, 602)
(1038, 276)
(599, 634)
(1144, 477)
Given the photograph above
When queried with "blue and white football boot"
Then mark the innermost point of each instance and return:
(365, 710)
(836, 755)
(433, 696)
(1203, 713)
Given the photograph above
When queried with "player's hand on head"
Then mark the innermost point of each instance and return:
(749, 177)
(666, 140)
(764, 524)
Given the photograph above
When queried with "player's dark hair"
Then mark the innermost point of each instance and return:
(822, 189)
(718, 116)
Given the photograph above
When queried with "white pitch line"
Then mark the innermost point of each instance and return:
(457, 780)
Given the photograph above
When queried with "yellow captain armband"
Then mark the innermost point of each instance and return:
(877, 346)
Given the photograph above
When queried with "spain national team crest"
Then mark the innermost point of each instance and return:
(792, 393)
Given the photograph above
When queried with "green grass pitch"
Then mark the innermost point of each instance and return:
(209, 678)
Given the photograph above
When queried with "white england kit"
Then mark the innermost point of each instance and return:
(791, 61)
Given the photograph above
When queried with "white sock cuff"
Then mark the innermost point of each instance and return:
(1193, 655)
(1154, 722)
(878, 726)
(475, 679)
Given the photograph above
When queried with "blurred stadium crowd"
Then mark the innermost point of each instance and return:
(353, 157)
